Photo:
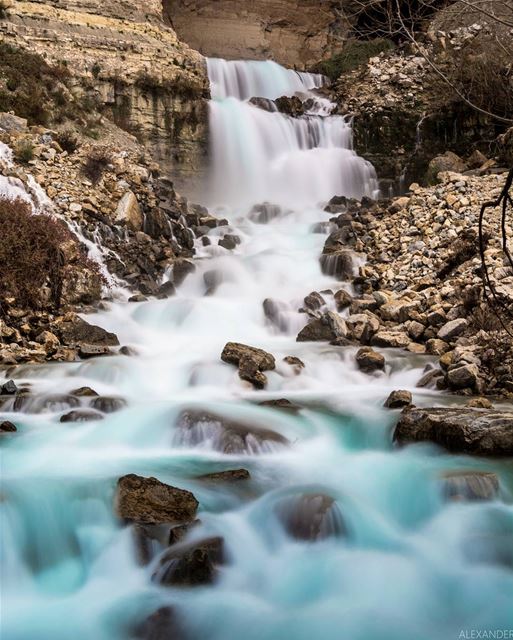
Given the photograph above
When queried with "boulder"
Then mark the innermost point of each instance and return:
(329, 326)
(84, 392)
(338, 263)
(129, 213)
(108, 404)
(229, 242)
(475, 431)
(310, 517)
(448, 161)
(290, 105)
(86, 351)
(166, 290)
(161, 625)
(470, 485)
(233, 352)
(297, 364)
(343, 299)
(399, 399)
(11, 123)
(462, 376)
(362, 326)
(314, 301)
(181, 269)
(7, 427)
(249, 371)
(81, 415)
(369, 360)
(9, 388)
(195, 427)
(78, 331)
(190, 564)
(452, 329)
(394, 339)
(147, 500)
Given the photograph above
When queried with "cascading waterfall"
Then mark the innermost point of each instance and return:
(396, 560)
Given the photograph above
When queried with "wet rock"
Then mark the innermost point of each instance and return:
(297, 364)
(470, 486)
(7, 427)
(369, 360)
(108, 404)
(190, 564)
(265, 212)
(475, 431)
(282, 403)
(86, 351)
(231, 475)
(81, 415)
(398, 399)
(53, 402)
(139, 297)
(463, 376)
(452, 329)
(79, 332)
(225, 435)
(149, 501)
(315, 331)
(181, 269)
(9, 388)
(290, 105)
(249, 371)
(150, 540)
(314, 301)
(310, 517)
(229, 242)
(275, 311)
(234, 351)
(263, 103)
(84, 392)
(129, 213)
(343, 299)
(166, 290)
(338, 263)
(127, 351)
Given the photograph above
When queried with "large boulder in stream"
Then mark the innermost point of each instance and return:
(470, 486)
(79, 332)
(250, 361)
(190, 564)
(338, 263)
(150, 501)
(196, 427)
(330, 326)
(310, 517)
(484, 432)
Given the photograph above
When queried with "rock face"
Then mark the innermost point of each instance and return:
(124, 56)
(150, 501)
(480, 432)
(295, 33)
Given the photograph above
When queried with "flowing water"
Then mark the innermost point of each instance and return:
(409, 565)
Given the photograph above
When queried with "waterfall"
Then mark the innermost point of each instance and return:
(259, 155)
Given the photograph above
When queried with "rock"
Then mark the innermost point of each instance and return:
(429, 379)
(310, 517)
(108, 404)
(150, 540)
(81, 415)
(86, 351)
(181, 269)
(336, 323)
(11, 123)
(314, 301)
(161, 625)
(282, 403)
(343, 299)
(338, 263)
(263, 103)
(398, 399)
(479, 403)
(250, 372)
(436, 347)
(78, 331)
(129, 213)
(452, 329)
(291, 106)
(276, 312)
(230, 475)
(190, 564)
(9, 388)
(369, 360)
(362, 326)
(196, 427)
(49, 340)
(415, 329)
(7, 427)
(147, 500)
(475, 431)
(84, 392)
(166, 290)
(463, 376)
(470, 485)
(229, 242)
(315, 331)
(297, 364)
(234, 351)
(265, 212)
(448, 161)
(394, 339)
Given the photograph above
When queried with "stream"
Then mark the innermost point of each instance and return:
(410, 564)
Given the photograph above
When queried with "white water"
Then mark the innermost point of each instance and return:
(411, 566)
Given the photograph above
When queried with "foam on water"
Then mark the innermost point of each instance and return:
(411, 564)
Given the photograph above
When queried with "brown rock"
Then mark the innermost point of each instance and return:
(369, 360)
(398, 399)
(470, 485)
(310, 517)
(190, 564)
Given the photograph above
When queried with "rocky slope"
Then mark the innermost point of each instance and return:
(123, 56)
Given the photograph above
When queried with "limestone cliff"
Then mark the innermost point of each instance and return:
(296, 33)
(148, 82)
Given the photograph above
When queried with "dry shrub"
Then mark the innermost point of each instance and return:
(34, 265)
(96, 163)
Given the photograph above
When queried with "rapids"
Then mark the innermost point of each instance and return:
(411, 564)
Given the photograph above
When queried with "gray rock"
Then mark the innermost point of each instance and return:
(452, 329)
(463, 376)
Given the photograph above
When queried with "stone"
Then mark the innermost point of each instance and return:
(234, 351)
(81, 415)
(315, 331)
(474, 431)
(129, 213)
(166, 290)
(78, 331)
(343, 299)
(338, 263)
(86, 351)
(436, 347)
(336, 323)
(395, 339)
(310, 517)
(228, 436)
(479, 403)
(147, 500)
(470, 486)
(229, 242)
(108, 404)
(249, 371)
(7, 427)
(190, 564)
(314, 301)
(452, 329)
(11, 123)
(181, 269)
(9, 388)
(231, 475)
(463, 376)
(282, 404)
(297, 364)
(448, 161)
(84, 392)
(398, 399)
(369, 360)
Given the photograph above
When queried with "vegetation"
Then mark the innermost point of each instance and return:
(30, 250)
(68, 140)
(354, 54)
(24, 151)
(96, 163)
